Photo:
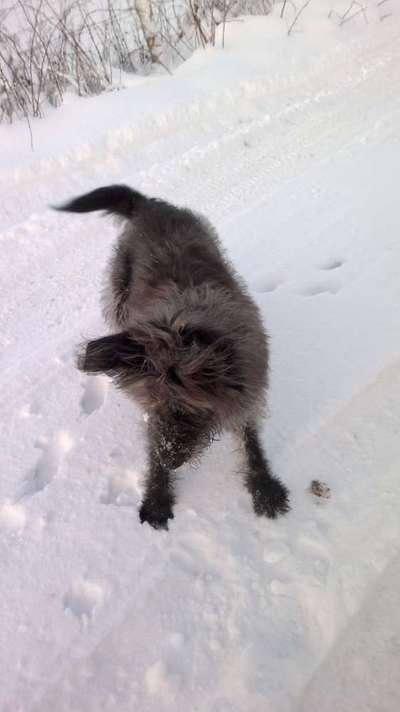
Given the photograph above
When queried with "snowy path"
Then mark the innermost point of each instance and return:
(225, 612)
(362, 671)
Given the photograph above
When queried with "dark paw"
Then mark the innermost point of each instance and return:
(156, 513)
(271, 499)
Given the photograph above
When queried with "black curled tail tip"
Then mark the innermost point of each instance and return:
(115, 199)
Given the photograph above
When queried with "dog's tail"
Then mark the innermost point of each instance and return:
(114, 199)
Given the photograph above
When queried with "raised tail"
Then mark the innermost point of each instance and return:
(114, 199)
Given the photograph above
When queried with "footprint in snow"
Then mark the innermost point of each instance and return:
(83, 599)
(123, 489)
(176, 641)
(29, 410)
(268, 284)
(275, 553)
(314, 290)
(48, 465)
(12, 517)
(332, 264)
(94, 394)
(224, 705)
(162, 681)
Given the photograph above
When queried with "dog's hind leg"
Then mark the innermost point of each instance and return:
(270, 495)
(159, 497)
(118, 287)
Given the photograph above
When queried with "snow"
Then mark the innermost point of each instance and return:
(291, 147)
(353, 676)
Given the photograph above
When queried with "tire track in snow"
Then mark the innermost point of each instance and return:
(115, 151)
(247, 178)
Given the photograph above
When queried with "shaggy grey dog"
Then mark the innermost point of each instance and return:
(187, 343)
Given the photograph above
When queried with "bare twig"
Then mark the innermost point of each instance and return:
(77, 44)
(283, 8)
(296, 17)
(347, 17)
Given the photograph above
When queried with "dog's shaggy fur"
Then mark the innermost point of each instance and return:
(187, 343)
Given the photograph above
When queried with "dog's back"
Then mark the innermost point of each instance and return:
(178, 246)
(171, 253)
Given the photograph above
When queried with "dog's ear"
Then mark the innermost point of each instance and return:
(111, 354)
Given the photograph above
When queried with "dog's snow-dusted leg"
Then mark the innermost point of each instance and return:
(159, 497)
(270, 495)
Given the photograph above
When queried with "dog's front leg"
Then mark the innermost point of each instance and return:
(159, 498)
(270, 495)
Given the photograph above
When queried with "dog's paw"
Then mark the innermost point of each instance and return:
(156, 513)
(271, 499)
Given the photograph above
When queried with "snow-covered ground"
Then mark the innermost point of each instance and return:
(292, 147)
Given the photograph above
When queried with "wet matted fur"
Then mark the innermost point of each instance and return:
(187, 342)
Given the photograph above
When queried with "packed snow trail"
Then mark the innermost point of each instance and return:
(237, 635)
(362, 670)
(226, 611)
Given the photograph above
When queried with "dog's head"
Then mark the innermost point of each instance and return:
(188, 378)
